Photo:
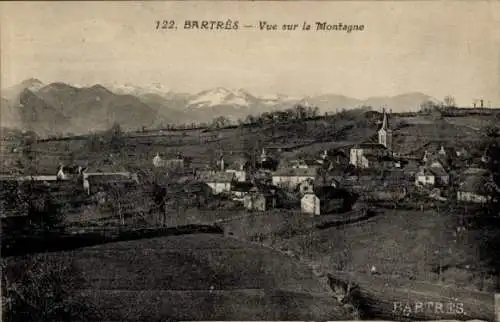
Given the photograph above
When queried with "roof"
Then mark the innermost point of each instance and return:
(189, 187)
(439, 172)
(395, 175)
(242, 186)
(475, 171)
(481, 184)
(329, 193)
(109, 178)
(422, 171)
(215, 176)
(296, 172)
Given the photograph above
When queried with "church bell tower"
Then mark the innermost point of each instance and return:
(385, 133)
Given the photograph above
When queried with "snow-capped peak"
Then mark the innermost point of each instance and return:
(221, 96)
(128, 88)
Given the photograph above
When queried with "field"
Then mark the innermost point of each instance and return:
(401, 243)
(198, 276)
(308, 137)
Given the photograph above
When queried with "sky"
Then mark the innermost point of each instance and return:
(437, 48)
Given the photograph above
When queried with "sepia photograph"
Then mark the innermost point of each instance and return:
(250, 160)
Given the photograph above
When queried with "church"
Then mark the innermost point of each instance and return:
(366, 155)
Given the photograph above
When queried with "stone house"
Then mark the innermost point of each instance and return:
(323, 200)
(260, 199)
(219, 181)
(174, 164)
(477, 186)
(290, 178)
(432, 176)
(366, 155)
(240, 189)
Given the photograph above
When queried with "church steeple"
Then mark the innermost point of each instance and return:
(385, 122)
(385, 133)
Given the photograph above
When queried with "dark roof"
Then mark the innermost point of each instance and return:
(328, 193)
(439, 172)
(481, 184)
(189, 187)
(242, 186)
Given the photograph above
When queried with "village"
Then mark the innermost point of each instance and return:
(333, 181)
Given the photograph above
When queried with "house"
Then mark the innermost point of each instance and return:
(366, 155)
(240, 168)
(396, 177)
(290, 178)
(240, 189)
(477, 185)
(432, 176)
(388, 193)
(437, 151)
(442, 178)
(194, 192)
(320, 181)
(178, 163)
(267, 162)
(425, 177)
(219, 181)
(323, 200)
(65, 172)
(260, 199)
(338, 158)
(303, 163)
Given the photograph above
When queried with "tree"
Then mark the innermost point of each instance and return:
(220, 122)
(428, 106)
(116, 139)
(300, 111)
(449, 101)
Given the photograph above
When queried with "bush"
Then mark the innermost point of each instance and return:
(42, 288)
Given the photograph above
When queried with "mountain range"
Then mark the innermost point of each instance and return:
(60, 108)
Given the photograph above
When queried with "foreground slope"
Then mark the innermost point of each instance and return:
(197, 276)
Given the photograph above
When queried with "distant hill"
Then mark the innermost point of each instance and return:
(13, 93)
(39, 116)
(409, 102)
(62, 108)
(94, 108)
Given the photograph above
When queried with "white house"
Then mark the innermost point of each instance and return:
(322, 200)
(477, 185)
(175, 163)
(239, 168)
(290, 178)
(425, 177)
(218, 181)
